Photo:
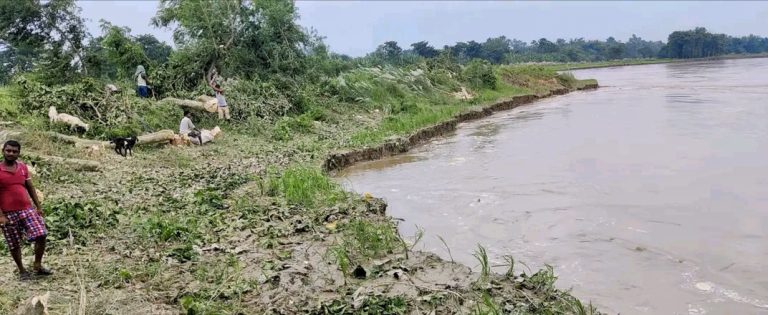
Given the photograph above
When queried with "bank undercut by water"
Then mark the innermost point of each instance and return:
(253, 223)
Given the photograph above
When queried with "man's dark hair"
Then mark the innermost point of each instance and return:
(217, 86)
(186, 112)
(12, 143)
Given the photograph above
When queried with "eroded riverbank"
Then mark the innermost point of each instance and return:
(645, 195)
(338, 161)
(258, 227)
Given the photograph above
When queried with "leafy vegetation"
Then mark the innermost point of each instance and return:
(249, 221)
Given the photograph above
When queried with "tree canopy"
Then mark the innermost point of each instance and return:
(262, 41)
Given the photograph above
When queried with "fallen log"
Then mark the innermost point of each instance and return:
(150, 138)
(8, 134)
(76, 164)
(205, 99)
(190, 104)
(78, 142)
(156, 137)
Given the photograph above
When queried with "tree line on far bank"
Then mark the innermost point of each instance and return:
(696, 43)
(262, 42)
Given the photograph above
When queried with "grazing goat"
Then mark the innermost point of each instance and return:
(73, 122)
(124, 146)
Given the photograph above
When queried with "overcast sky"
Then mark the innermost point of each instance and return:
(355, 28)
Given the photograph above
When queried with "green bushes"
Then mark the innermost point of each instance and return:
(108, 116)
(256, 98)
(380, 85)
(479, 74)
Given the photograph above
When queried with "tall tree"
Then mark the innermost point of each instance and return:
(53, 29)
(494, 49)
(157, 51)
(390, 51)
(695, 43)
(236, 37)
(121, 50)
(423, 49)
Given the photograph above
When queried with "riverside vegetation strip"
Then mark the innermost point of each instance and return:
(251, 224)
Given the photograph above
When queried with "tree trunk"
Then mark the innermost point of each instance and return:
(155, 137)
(8, 135)
(75, 164)
(196, 105)
(78, 142)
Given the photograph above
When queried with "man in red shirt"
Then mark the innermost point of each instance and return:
(18, 217)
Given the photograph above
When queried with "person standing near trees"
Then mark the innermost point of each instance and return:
(141, 82)
(221, 101)
(18, 217)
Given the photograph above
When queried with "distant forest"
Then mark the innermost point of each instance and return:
(695, 43)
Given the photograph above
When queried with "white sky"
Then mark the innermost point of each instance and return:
(357, 27)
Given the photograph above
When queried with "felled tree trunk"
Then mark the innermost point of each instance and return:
(196, 105)
(156, 137)
(76, 164)
(150, 138)
(8, 134)
(78, 142)
(205, 99)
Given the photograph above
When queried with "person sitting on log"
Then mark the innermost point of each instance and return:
(187, 128)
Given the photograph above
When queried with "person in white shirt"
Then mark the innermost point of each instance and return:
(221, 101)
(186, 127)
(141, 81)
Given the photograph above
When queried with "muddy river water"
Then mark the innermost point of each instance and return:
(647, 196)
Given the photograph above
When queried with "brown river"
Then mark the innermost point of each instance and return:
(647, 196)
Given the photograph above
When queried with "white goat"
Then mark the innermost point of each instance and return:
(68, 119)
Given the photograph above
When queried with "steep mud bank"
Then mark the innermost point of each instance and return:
(340, 160)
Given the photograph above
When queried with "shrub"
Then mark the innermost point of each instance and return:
(479, 74)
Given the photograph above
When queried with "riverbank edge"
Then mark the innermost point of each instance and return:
(338, 161)
(641, 62)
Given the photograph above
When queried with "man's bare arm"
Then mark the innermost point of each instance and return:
(33, 193)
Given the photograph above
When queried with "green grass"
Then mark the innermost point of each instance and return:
(404, 124)
(8, 104)
(502, 90)
(487, 306)
(485, 267)
(371, 239)
(583, 83)
(306, 186)
(364, 240)
(437, 110)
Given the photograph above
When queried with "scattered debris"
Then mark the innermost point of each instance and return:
(37, 305)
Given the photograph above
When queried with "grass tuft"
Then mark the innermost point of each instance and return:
(306, 186)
